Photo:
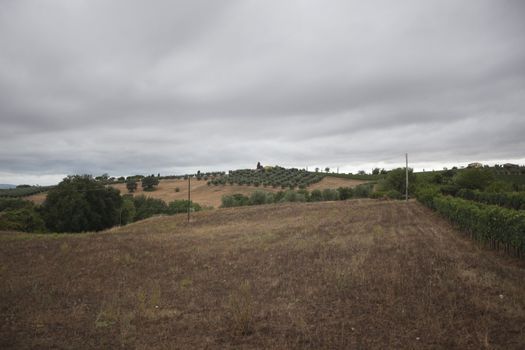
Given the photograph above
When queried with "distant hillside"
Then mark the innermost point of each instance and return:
(6, 186)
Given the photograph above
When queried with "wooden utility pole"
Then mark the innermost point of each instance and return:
(406, 171)
(189, 197)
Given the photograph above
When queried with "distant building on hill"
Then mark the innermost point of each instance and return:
(510, 166)
(475, 165)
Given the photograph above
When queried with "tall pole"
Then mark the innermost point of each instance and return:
(189, 197)
(406, 171)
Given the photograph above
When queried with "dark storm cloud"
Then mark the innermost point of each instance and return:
(137, 87)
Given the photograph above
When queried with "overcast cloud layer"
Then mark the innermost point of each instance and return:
(128, 87)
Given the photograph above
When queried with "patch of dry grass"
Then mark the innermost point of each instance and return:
(355, 274)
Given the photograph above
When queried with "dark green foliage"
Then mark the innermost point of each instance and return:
(511, 200)
(258, 197)
(20, 215)
(23, 191)
(345, 193)
(363, 191)
(128, 212)
(330, 195)
(131, 185)
(149, 183)
(450, 189)
(393, 194)
(316, 196)
(147, 207)
(486, 223)
(235, 200)
(474, 178)
(14, 203)
(396, 180)
(79, 204)
(181, 206)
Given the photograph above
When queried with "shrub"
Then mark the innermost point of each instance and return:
(393, 194)
(25, 219)
(128, 212)
(258, 197)
(181, 206)
(474, 178)
(330, 195)
(344, 193)
(147, 207)
(362, 191)
(235, 200)
(316, 196)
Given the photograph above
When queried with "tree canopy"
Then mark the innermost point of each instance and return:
(80, 203)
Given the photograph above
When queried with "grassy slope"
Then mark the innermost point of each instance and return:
(354, 274)
(211, 195)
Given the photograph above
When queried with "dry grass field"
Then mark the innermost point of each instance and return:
(210, 195)
(328, 275)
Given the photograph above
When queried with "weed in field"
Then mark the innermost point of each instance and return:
(342, 281)
(241, 310)
(65, 248)
(185, 283)
(107, 316)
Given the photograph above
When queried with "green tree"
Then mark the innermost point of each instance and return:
(474, 178)
(149, 183)
(131, 184)
(396, 180)
(79, 203)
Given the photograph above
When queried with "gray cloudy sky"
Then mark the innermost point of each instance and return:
(128, 87)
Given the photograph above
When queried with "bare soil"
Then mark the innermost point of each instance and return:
(360, 274)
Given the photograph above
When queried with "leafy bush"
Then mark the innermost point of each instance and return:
(25, 219)
(396, 180)
(393, 194)
(363, 191)
(258, 197)
(316, 196)
(147, 207)
(474, 178)
(235, 200)
(129, 211)
(181, 206)
(80, 203)
(345, 193)
(14, 203)
(330, 195)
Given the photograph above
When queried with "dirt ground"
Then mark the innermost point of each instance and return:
(360, 274)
